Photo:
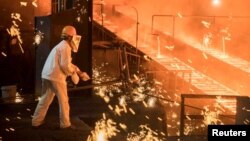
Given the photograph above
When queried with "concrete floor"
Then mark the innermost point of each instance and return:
(15, 120)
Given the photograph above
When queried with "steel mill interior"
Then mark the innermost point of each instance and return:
(159, 70)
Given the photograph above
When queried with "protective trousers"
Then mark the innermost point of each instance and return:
(49, 90)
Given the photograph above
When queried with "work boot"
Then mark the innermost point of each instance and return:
(39, 126)
(71, 127)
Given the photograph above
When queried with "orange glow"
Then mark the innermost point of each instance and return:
(216, 2)
(202, 46)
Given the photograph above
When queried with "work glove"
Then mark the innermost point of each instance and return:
(83, 75)
(75, 78)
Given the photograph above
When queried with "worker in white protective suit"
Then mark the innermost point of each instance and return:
(55, 71)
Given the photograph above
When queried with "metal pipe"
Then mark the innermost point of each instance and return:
(137, 24)
(102, 18)
(137, 28)
(209, 16)
(193, 16)
(182, 114)
(94, 85)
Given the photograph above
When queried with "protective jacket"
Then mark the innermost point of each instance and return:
(58, 64)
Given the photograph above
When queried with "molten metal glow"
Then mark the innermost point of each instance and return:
(216, 2)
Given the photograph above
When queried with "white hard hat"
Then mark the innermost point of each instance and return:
(68, 31)
(69, 34)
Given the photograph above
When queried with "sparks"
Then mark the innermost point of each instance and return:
(206, 24)
(190, 61)
(34, 3)
(16, 16)
(100, 136)
(78, 19)
(7, 119)
(145, 104)
(14, 30)
(174, 115)
(145, 134)
(118, 110)
(104, 130)
(18, 99)
(160, 119)
(179, 15)
(210, 117)
(21, 48)
(12, 129)
(122, 100)
(171, 47)
(23, 3)
(38, 38)
(132, 111)
(151, 102)
(110, 107)
(123, 126)
(106, 99)
(205, 55)
(4, 54)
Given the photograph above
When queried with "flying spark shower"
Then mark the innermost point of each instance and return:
(196, 28)
(104, 130)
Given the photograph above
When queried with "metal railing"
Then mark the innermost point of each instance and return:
(200, 97)
(173, 17)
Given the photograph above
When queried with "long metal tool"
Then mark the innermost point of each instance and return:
(94, 85)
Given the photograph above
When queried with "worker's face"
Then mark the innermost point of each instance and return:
(75, 42)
